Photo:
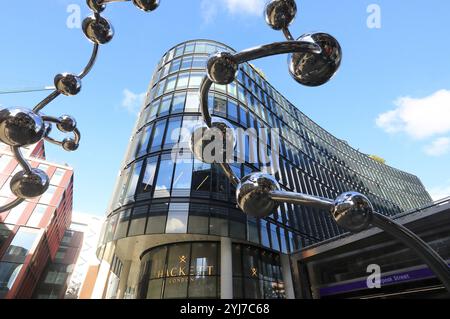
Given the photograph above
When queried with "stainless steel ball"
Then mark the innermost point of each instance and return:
(29, 185)
(98, 31)
(67, 124)
(252, 194)
(69, 145)
(280, 13)
(146, 5)
(222, 68)
(353, 211)
(94, 6)
(205, 146)
(20, 127)
(313, 69)
(68, 84)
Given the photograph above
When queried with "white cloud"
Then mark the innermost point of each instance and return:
(439, 192)
(251, 7)
(210, 8)
(438, 147)
(132, 101)
(418, 118)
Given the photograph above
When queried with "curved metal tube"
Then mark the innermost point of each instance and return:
(204, 91)
(302, 199)
(56, 120)
(46, 101)
(287, 34)
(91, 62)
(416, 244)
(53, 141)
(275, 49)
(16, 202)
(22, 161)
(77, 135)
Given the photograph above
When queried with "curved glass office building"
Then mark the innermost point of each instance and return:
(173, 228)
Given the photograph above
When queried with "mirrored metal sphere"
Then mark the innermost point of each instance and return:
(94, 6)
(252, 194)
(98, 31)
(68, 84)
(69, 145)
(20, 127)
(222, 68)
(353, 211)
(203, 141)
(67, 124)
(312, 69)
(146, 5)
(29, 185)
(280, 13)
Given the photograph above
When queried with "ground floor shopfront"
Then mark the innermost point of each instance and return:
(191, 266)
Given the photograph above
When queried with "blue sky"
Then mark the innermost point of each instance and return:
(391, 96)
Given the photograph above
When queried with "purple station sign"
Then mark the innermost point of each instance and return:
(412, 275)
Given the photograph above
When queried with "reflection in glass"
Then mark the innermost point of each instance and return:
(177, 218)
(8, 275)
(182, 178)
(146, 185)
(164, 180)
(21, 244)
(192, 102)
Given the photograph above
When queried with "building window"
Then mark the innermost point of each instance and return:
(8, 275)
(58, 176)
(21, 245)
(47, 197)
(36, 216)
(183, 178)
(15, 213)
(177, 218)
(158, 135)
(179, 271)
(256, 273)
(146, 184)
(164, 179)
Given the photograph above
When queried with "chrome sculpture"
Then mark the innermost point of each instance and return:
(313, 60)
(21, 127)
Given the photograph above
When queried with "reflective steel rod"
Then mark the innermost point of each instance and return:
(11, 205)
(100, 2)
(19, 157)
(91, 62)
(288, 34)
(302, 199)
(421, 248)
(275, 49)
(204, 90)
(46, 101)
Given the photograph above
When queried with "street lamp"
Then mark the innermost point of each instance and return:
(313, 59)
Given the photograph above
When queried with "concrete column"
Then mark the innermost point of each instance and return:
(102, 280)
(226, 269)
(287, 276)
(123, 281)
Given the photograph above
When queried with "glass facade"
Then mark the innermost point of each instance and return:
(158, 193)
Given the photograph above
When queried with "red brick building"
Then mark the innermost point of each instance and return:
(34, 236)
